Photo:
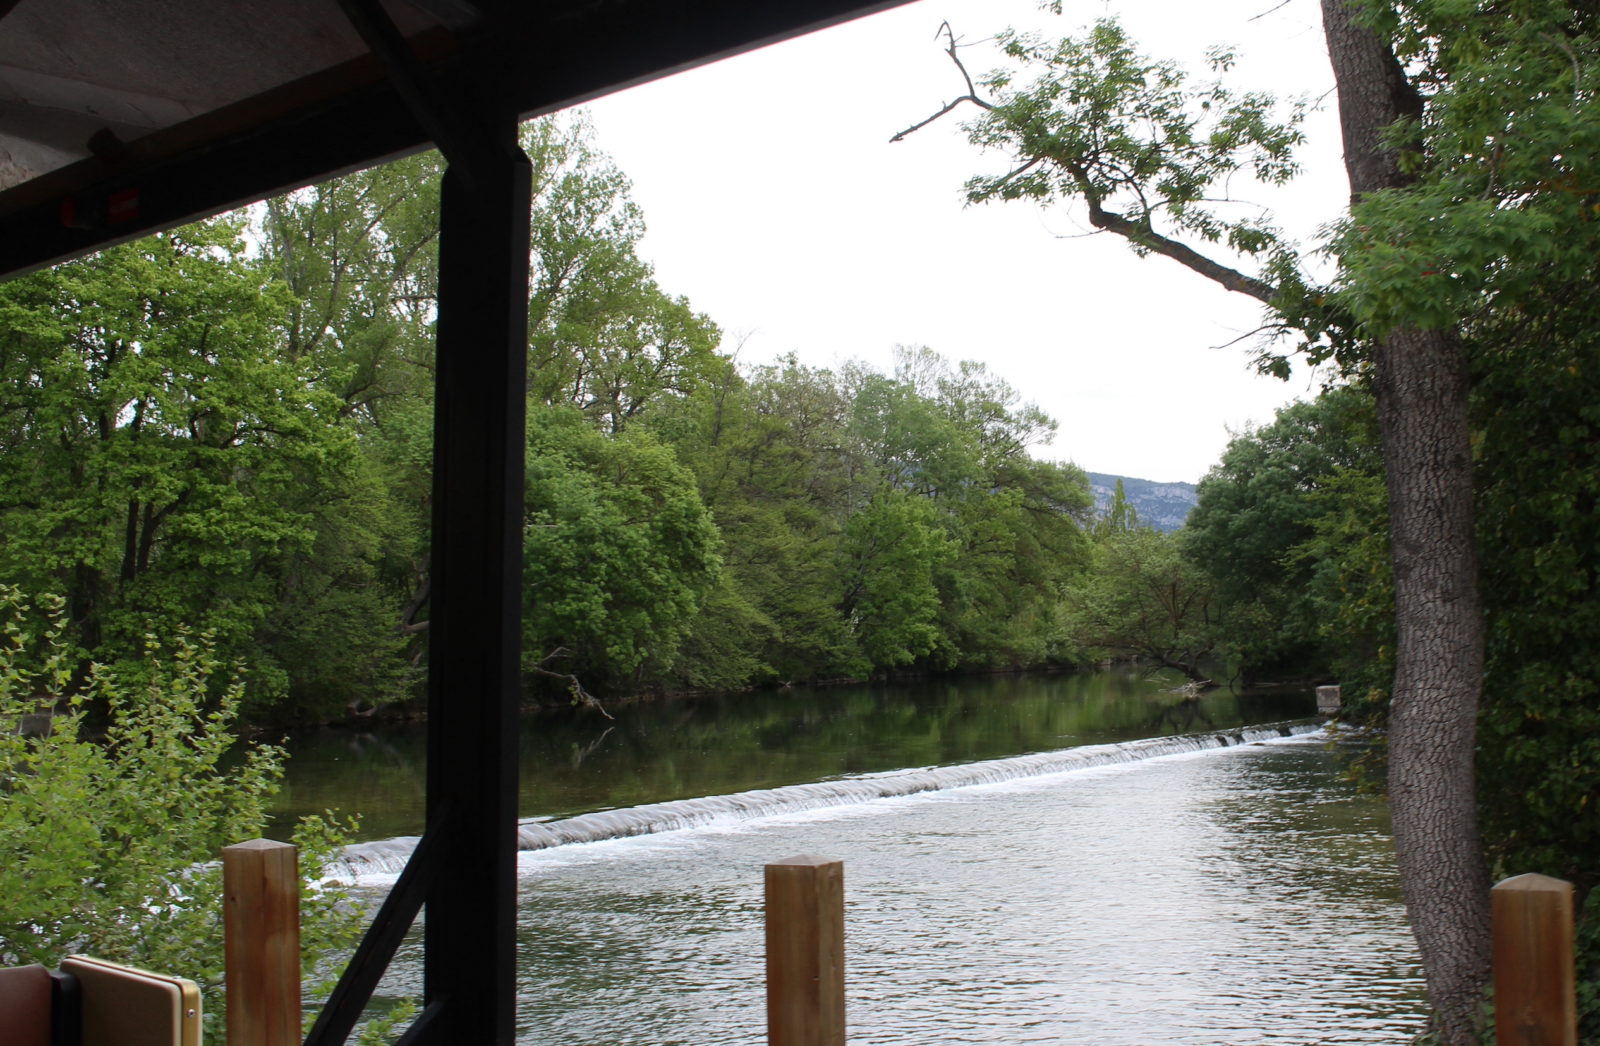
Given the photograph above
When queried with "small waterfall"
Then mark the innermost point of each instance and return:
(389, 855)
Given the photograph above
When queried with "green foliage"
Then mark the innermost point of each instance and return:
(1140, 598)
(875, 522)
(1275, 528)
(620, 551)
(1498, 240)
(1352, 585)
(1120, 515)
(163, 462)
(1156, 159)
(110, 847)
(1537, 376)
(1508, 143)
(603, 335)
(199, 434)
(1587, 946)
(775, 468)
(890, 553)
(1109, 121)
(357, 257)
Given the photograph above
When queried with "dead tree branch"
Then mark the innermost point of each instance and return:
(580, 696)
(970, 96)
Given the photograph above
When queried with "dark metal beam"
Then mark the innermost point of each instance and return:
(399, 910)
(531, 58)
(446, 127)
(475, 612)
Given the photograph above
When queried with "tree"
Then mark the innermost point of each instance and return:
(602, 334)
(1140, 598)
(774, 465)
(160, 454)
(1016, 523)
(358, 258)
(620, 550)
(891, 551)
(1119, 516)
(1102, 125)
(1420, 384)
(947, 545)
(1257, 510)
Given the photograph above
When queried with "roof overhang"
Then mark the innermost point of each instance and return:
(122, 117)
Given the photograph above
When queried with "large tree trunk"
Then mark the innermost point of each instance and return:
(1421, 384)
(1420, 381)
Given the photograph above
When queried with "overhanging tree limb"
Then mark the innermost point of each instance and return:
(1084, 170)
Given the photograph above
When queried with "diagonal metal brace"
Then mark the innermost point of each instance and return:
(451, 126)
(395, 916)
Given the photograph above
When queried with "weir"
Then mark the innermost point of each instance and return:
(389, 856)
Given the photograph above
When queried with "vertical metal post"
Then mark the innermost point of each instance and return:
(475, 614)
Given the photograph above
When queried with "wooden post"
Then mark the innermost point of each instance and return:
(805, 952)
(1535, 1000)
(261, 934)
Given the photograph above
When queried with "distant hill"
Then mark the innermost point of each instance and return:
(1163, 506)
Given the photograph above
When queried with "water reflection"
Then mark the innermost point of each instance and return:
(653, 752)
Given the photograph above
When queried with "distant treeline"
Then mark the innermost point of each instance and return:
(226, 428)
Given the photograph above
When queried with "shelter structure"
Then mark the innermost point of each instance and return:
(123, 117)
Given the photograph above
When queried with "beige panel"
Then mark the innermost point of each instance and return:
(124, 1006)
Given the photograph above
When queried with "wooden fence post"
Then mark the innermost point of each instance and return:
(805, 952)
(261, 935)
(1535, 999)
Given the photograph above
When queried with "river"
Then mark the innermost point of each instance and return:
(1162, 893)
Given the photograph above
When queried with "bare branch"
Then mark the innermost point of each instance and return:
(1274, 329)
(580, 696)
(970, 96)
(1276, 7)
(950, 35)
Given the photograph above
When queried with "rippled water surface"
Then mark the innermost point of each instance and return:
(1237, 895)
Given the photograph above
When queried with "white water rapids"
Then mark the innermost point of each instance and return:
(389, 855)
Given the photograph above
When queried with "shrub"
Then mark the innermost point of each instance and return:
(110, 838)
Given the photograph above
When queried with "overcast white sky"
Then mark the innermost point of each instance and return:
(776, 204)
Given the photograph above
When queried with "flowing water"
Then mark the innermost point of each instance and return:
(1225, 886)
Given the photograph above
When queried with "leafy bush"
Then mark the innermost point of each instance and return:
(109, 845)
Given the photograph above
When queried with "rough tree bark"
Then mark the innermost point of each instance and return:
(1420, 383)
